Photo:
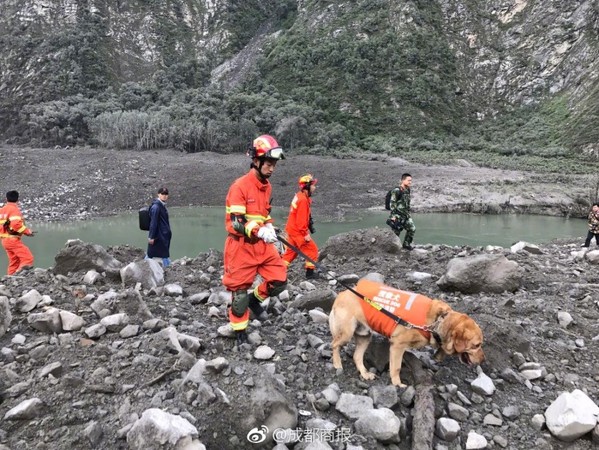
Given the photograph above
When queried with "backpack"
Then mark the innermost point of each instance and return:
(144, 218)
(388, 198)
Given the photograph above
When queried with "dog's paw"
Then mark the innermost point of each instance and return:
(397, 382)
(338, 371)
(368, 376)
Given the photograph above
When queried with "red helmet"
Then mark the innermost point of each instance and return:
(305, 181)
(265, 146)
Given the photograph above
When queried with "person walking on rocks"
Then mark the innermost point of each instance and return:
(593, 220)
(300, 227)
(160, 234)
(12, 228)
(249, 246)
(400, 218)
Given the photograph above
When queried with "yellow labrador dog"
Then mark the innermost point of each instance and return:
(449, 331)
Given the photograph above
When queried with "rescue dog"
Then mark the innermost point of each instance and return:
(352, 316)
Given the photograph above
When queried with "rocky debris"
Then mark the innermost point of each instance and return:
(172, 353)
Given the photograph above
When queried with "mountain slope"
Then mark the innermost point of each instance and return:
(369, 74)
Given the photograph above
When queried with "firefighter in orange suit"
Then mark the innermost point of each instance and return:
(12, 227)
(299, 226)
(249, 248)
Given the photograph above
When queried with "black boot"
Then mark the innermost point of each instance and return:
(241, 337)
(257, 308)
(407, 247)
(312, 275)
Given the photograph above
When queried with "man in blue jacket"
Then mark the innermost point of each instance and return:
(159, 236)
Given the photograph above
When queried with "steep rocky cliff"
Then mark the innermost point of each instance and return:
(373, 66)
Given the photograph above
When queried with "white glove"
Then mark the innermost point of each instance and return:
(267, 234)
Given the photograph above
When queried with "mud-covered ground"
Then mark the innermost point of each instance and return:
(57, 184)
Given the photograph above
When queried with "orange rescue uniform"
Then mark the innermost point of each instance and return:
(297, 229)
(408, 306)
(18, 253)
(245, 256)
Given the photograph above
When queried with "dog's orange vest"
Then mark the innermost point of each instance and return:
(409, 306)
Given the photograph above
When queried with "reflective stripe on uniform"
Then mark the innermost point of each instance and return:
(239, 323)
(236, 209)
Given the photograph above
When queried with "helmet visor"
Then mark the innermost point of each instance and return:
(275, 153)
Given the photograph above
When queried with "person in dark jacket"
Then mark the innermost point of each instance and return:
(159, 236)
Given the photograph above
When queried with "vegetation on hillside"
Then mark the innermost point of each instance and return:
(353, 84)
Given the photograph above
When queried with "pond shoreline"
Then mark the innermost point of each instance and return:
(83, 183)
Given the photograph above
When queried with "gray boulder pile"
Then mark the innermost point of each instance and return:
(106, 350)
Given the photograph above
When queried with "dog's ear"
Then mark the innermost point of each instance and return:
(441, 309)
(459, 344)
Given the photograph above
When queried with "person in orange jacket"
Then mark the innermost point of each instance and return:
(299, 226)
(249, 246)
(12, 227)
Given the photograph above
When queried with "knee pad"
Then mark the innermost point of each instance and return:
(240, 303)
(276, 287)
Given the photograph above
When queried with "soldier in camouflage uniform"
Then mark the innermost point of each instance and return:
(400, 218)
(593, 226)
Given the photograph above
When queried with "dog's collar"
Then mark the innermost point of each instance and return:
(432, 329)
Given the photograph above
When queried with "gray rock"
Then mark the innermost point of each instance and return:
(173, 290)
(196, 373)
(483, 385)
(322, 299)
(93, 431)
(475, 441)
(129, 331)
(511, 412)
(91, 277)
(481, 273)
(115, 322)
(353, 406)
(95, 331)
(268, 405)
(147, 272)
(46, 322)
(571, 415)
(365, 241)
(490, 419)
(77, 256)
(264, 352)
(457, 412)
(159, 429)
(5, 315)
(70, 321)
(382, 424)
(526, 247)
(27, 409)
(564, 318)
(447, 429)
(407, 396)
(105, 304)
(28, 301)
(318, 316)
(54, 368)
(383, 396)
(331, 393)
